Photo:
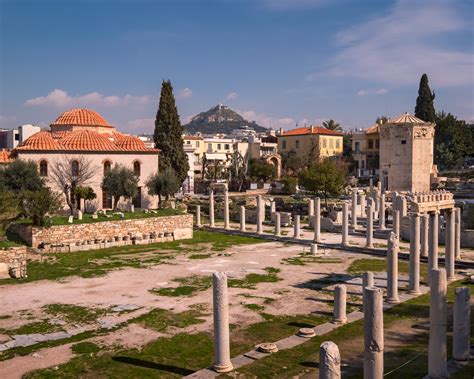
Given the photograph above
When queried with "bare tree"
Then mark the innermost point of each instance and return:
(70, 172)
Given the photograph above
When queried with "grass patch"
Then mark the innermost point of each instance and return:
(85, 348)
(162, 319)
(74, 314)
(359, 266)
(200, 256)
(254, 307)
(40, 327)
(251, 280)
(305, 258)
(189, 285)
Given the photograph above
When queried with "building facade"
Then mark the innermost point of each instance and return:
(82, 135)
(366, 151)
(406, 154)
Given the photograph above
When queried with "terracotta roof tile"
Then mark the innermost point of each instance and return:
(192, 138)
(40, 141)
(132, 143)
(5, 156)
(81, 117)
(87, 140)
(373, 129)
(311, 130)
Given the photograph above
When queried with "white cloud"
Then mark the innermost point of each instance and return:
(185, 93)
(366, 92)
(398, 47)
(362, 93)
(141, 125)
(267, 120)
(232, 96)
(60, 99)
(381, 91)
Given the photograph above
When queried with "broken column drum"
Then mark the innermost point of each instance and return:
(457, 234)
(222, 361)
(259, 215)
(425, 225)
(370, 227)
(345, 224)
(329, 361)
(362, 204)
(198, 216)
(277, 224)
(373, 334)
(437, 353)
(340, 299)
(242, 218)
(392, 269)
(449, 244)
(461, 324)
(396, 221)
(382, 212)
(211, 209)
(317, 219)
(354, 210)
(414, 285)
(433, 243)
(367, 281)
(296, 233)
(226, 210)
(310, 208)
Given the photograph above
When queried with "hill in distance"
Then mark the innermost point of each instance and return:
(219, 119)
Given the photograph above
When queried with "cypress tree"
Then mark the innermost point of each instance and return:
(424, 102)
(168, 134)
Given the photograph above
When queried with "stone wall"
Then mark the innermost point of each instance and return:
(13, 262)
(98, 235)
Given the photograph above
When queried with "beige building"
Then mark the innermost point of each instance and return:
(406, 154)
(313, 139)
(84, 134)
(266, 147)
(366, 151)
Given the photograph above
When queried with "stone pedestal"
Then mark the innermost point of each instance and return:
(392, 269)
(457, 233)
(425, 227)
(296, 230)
(437, 353)
(198, 216)
(382, 213)
(414, 286)
(367, 281)
(354, 211)
(450, 244)
(242, 219)
(314, 249)
(461, 324)
(340, 298)
(212, 223)
(345, 224)
(259, 215)
(226, 210)
(317, 219)
(222, 361)
(370, 227)
(277, 224)
(329, 361)
(373, 334)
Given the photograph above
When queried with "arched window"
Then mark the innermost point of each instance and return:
(43, 167)
(107, 166)
(136, 168)
(75, 168)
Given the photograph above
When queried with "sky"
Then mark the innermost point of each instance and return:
(277, 62)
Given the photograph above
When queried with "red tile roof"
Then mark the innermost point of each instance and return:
(81, 117)
(40, 141)
(311, 130)
(373, 129)
(193, 138)
(88, 140)
(5, 156)
(132, 143)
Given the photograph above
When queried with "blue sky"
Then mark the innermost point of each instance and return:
(277, 62)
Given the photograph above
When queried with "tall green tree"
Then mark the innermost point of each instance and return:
(165, 183)
(424, 102)
(20, 175)
(168, 134)
(120, 182)
(332, 125)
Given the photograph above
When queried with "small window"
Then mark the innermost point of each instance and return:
(404, 141)
(371, 143)
(357, 147)
(75, 168)
(283, 144)
(324, 143)
(107, 167)
(377, 144)
(209, 146)
(338, 144)
(331, 144)
(197, 143)
(43, 166)
(297, 144)
(188, 142)
(226, 146)
(136, 168)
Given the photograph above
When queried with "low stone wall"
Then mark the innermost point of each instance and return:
(99, 235)
(13, 262)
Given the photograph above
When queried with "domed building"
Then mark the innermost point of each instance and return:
(83, 136)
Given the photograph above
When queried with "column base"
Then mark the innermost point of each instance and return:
(393, 300)
(382, 228)
(369, 246)
(339, 321)
(413, 292)
(345, 244)
(223, 368)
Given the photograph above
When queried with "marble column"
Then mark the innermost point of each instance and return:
(379, 187)
(437, 351)
(310, 208)
(396, 221)
(259, 214)
(461, 324)
(370, 227)
(198, 216)
(329, 361)
(362, 204)
(212, 223)
(382, 212)
(373, 334)
(317, 219)
(414, 285)
(242, 218)
(425, 227)
(449, 245)
(403, 207)
(226, 210)
(345, 224)
(262, 208)
(272, 207)
(314, 249)
(371, 185)
(433, 243)
(222, 361)
(457, 234)
(367, 281)
(392, 269)
(277, 224)
(354, 211)
(340, 299)
(296, 231)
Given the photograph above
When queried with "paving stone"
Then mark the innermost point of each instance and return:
(125, 307)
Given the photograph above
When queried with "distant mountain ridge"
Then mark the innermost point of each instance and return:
(219, 119)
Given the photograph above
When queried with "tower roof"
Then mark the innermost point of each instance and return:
(407, 118)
